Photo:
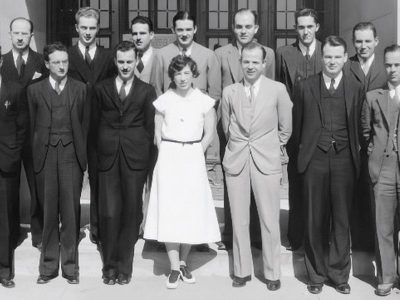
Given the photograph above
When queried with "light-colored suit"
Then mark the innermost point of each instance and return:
(255, 133)
(210, 76)
(229, 59)
(379, 121)
(145, 75)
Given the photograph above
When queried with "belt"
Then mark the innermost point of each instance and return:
(181, 142)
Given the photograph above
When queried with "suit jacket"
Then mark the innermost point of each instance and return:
(102, 65)
(378, 77)
(231, 71)
(127, 125)
(39, 103)
(34, 70)
(308, 122)
(210, 76)
(145, 75)
(375, 129)
(13, 125)
(287, 63)
(270, 126)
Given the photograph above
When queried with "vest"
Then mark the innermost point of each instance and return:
(61, 128)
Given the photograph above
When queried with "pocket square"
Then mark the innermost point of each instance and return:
(36, 75)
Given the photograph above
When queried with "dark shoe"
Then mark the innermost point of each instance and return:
(384, 289)
(257, 245)
(273, 285)
(123, 279)
(43, 279)
(221, 246)
(240, 281)
(173, 279)
(343, 288)
(186, 275)
(109, 280)
(315, 288)
(73, 280)
(7, 283)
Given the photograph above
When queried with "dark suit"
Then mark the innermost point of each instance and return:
(59, 160)
(362, 220)
(328, 177)
(291, 67)
(13, 125)
(101, 67)
(125, 132)
(34, 70)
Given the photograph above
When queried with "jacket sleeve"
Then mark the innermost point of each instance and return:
(157, 74)
(149, 112)
(32, 109)
(214, 77)
(366, 127)
(284, 115)
(225, 112)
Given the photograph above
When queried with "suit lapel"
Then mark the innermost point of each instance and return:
(80, 63)
(355, 67)
(234, 67)
(131, 95)
(29, 67)
(111, 91)
(348, 95)
(97, 63)
(9, 63)
(383, 103)
(316, 93)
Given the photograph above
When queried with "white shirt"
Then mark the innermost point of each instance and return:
(248, 86)
(311, 48)
(15, 54)
(394, 90)
(188, 51)
(146, 57)
(365, 66)
(119, 82)
(92, 49)
(328, 79)
(61, 84)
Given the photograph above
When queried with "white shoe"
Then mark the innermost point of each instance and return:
(186, 275)
(173, 279)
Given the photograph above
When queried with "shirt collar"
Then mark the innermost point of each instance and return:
(61, 84)
(92, 49)
(25, 54)
(368, 63)
(328, 79)
(188, 50)
(311, 48)
(147, 55)
(119, 82)
(256, 85)
(393, 89)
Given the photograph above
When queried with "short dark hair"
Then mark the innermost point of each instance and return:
(143, 20)
(306, 12)
(50, 48)
(254, 45)
(21, 18)
(391, 48)
(244, 10)
(124, 46)
(183, 15)
(178, 63)
(335, 41)
(88, 12)
(364, 26)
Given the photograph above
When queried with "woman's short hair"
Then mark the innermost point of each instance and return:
(178, 63)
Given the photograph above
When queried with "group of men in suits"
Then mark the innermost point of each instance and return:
(116, 142)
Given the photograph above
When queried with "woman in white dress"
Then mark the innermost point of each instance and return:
(181, 209)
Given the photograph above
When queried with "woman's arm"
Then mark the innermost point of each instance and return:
(210, 121)
(158, 120)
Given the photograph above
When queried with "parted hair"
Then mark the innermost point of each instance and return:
(391, 48)
(183, 15)
(254, 45)
(143, 20)
(88, 12)
(245, 10)
(50, 48)
(335, 41)
(306, 12)
(123, 47)
(364, 26)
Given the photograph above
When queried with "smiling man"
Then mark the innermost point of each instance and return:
(123, 116)
(326, 121)
(59, 116)
(257, 122)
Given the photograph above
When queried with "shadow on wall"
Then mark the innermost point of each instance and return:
(37, 14)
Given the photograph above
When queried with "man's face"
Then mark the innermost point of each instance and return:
(244, 28)
(392, 65)
(20, 35)
(125, 62)
(58, 65)
(87, 29)
(141, 36)
(333, 59)
(306, 29)
(365, 43)
(252, 64)
(185, 31)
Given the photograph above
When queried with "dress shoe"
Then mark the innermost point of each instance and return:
(343, 288)
(7, 283)
(43, 279)
(221, 246)
(384, 289)
(123, 279)
(186, 276)
(72, 280)
(109, 280)
(273, 285)
(173, 279)
(315, 288)
(240, 281)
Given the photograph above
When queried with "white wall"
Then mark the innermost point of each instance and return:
(34, 10)
(384, 14)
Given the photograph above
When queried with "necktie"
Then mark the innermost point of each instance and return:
(57, 88)
(20, 64)
(365, 69)
(308, 53)
(184, 52)
(88, 59)
(140, 65)
(332, 87)
(122, 92)
(251, 94)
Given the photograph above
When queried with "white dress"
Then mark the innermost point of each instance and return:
(181, 208)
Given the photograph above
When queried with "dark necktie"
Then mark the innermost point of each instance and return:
(57, 88)
(308, 53)
(88, 59)
(122, 92)
(140, 65)
(332, 87)
(20, 64)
